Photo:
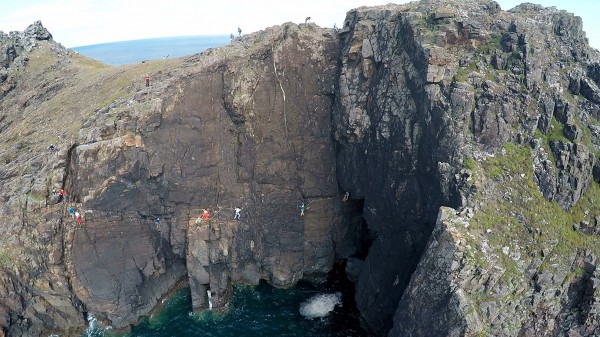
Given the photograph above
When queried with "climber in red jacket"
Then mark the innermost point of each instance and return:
(205, 215)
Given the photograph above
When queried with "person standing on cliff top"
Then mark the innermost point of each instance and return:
(301, 207)
(147, 80)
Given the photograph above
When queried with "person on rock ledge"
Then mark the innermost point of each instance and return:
(346, 196)
(157, 222)
(301, 208)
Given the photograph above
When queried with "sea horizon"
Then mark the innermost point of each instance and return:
(132, 51)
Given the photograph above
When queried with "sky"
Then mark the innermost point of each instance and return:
(75, 23)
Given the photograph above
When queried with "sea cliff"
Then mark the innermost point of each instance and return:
(465, 135)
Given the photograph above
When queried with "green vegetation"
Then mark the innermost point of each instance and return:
(555, 133)
(492, 44)
(515, 222)
(471, 164)
(7, 261)
(462, 75)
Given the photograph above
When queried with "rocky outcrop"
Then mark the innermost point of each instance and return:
(427, 88)
(465, 136)
(14, 48)
(435, 295)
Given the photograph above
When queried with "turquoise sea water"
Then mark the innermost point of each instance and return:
(127, 52)
(255, 311)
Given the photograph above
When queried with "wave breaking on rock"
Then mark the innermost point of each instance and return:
(320, 305)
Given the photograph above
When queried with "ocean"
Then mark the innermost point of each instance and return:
(127, 52)
(306, 310)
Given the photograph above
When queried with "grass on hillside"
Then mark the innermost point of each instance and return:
(515, 216)
(55, 94)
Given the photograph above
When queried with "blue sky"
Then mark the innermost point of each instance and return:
(83, 22)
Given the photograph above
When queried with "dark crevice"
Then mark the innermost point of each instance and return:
(363, 240)
(70, 174)
(581, 294)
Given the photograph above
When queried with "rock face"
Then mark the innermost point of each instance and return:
(465, 136)
(13, 52)
(426, 88)
(398, 137)
(248, 126)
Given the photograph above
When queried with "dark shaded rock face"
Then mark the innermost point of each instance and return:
(423, 87)
(397, 139)
(402, 108)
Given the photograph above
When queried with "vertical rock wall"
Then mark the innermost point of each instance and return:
(427, 89)
(246, 126)
(398, 137)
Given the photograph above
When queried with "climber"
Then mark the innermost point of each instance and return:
(157, 222)
(199, 220)
(63, 195)
(78, 218)
(206, 215)
(52, 148)
(346, 196)
(301, 207)
(71, 211)
(237, 213)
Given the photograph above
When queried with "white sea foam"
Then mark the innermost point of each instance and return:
(94, 328)
(91, 329)
(320, 305)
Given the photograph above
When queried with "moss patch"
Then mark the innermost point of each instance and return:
(515, 223)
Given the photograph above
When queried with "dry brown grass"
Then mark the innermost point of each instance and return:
(56, 93)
